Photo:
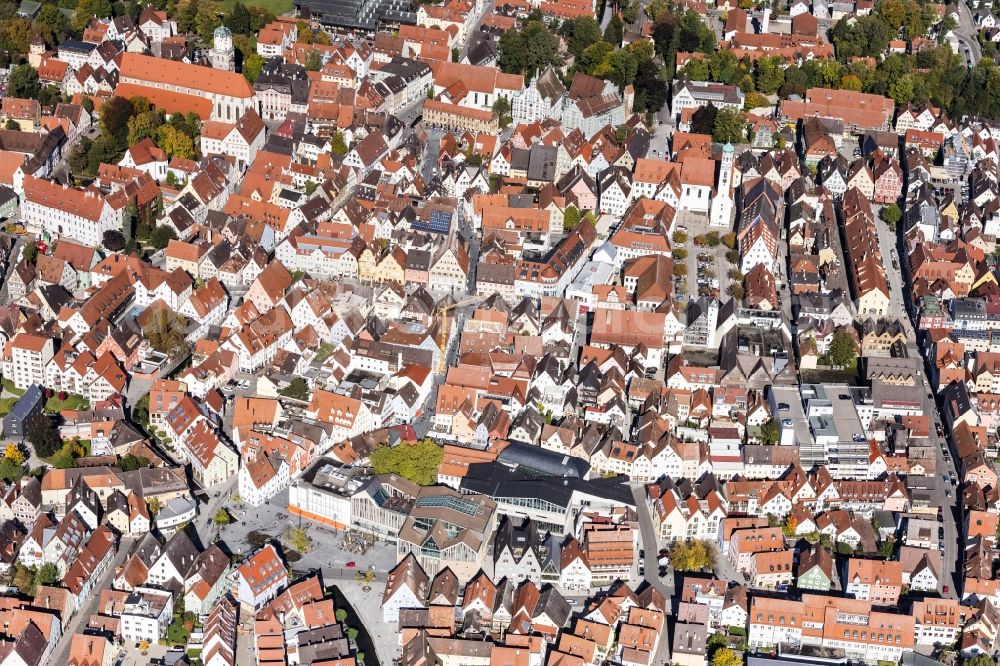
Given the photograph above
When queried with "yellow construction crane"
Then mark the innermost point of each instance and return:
(443, 332)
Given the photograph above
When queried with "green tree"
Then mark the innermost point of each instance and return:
(113, 240)
(843, 349)
(115, 114)
(979, 660)
(650, 87)
(299, 538)
(501, 107)
(78, 157)
(54, 23)
(891, 215)
(43, 435)
(165, 331)
(104, 149)
(259, 17)
(161, 236)
(23, 578)
(615, 32)
(692, 555)
(769, 74)
(901, 90)
(238, 20)
(697, 69)
(716, 641)
(580, 33)
(730, 126)
(314, 61)
(48, 574)
(417, 462)
(340, 614)
(725, 67)
(130, 463)
(571, 217)
(12, 125)
(206, 19)
(143, 125)
(770, 431)
(298, 389)
(726, 657)
(85, 9)
(528, 51)
(596, 59)
(174, 142)
(11, 470)
(252, 66)
(629, 10)
(222, 517)
(23, 82)
(337, 143)
(703, 119)
(14, 35)
(352, 634)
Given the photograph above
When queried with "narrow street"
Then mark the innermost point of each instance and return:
(60, 655)
(665, 586)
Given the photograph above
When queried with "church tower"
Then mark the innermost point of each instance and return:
(223, 54)
(722, 205)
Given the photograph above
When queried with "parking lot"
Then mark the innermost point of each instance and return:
(707, 265)
(130, 655)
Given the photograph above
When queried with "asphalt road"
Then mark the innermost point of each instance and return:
(966, 33)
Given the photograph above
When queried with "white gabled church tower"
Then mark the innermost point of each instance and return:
(223, 53)
(721, 214)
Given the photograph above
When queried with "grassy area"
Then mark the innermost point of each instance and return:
(177, 633)
(54, 405)
(276, 7)
(324, 351)
(7, 404)
(8, 386)
(63, 458)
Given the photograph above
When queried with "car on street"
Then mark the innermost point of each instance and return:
(351, 565)
(945, 589)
